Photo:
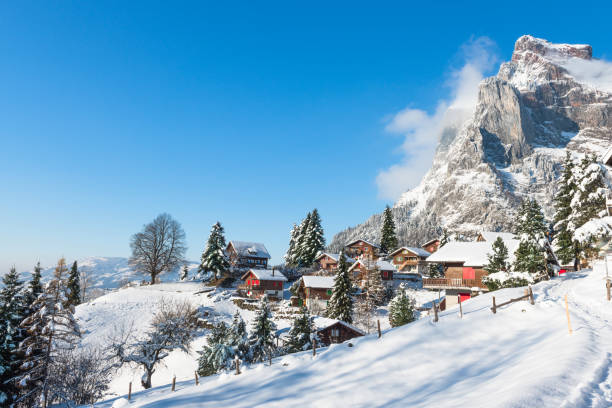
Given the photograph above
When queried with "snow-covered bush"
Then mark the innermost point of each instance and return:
(500, 280)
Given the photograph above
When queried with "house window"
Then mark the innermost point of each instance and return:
(335, 333)
(386, 275)
(399, 259)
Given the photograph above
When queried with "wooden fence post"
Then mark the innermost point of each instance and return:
(314, 346)
(237, 361)
(460, 307)
(494, 308)
(173, 383)
(379, 333)
(608, 288)
(270, 358)
(130, 392)
(435, 312)
(569, 325)
(531, 296)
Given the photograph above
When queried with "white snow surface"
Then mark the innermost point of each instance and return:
(523, 356)
(318, 281)
(471, 253)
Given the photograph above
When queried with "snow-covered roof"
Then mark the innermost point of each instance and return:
(416, 251)
(325, 282)
(431, 241)
(322, 323)
(607, 157)
(380, 264)
(492, 236)
(335, 257)
(470, 253)
(362, 240)
(266, 274)
(254, 249)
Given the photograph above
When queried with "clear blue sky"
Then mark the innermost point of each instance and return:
(250, 114)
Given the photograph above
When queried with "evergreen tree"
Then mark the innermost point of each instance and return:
(184, 273)
(374, 285)
(74, 286)
(498, 260)
(314, 241)
(214, 259)
(401, 309)
(300, 332)
(217, 355)
(12, 310)
(301, 246)
(290, 256)
(531, 253)
(34, 287)
(566, 247)
(262, 335)
(445, 238)
(340, 304)
(238, 337)
(388, 241)
(50, 330)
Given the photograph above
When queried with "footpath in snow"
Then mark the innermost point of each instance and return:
(523, 356)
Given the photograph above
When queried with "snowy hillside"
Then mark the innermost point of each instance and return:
(548, 99)
(111, 272)
(522, 356)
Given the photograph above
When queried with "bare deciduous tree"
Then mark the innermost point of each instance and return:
(160, 247)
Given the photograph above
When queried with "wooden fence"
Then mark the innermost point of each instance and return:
(528, 296)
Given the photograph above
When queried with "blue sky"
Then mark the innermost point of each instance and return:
(250, 114)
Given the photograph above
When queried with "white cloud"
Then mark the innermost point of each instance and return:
(422, 130)
(596, 73)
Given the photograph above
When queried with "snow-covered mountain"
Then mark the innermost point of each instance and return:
(548, 98)
(111, 272)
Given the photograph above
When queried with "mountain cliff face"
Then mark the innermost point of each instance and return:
(539, 104)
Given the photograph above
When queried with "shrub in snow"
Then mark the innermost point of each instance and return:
(401, 309)
(500, 280)
(172, 328)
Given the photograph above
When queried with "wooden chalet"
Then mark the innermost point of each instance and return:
(409, 259)
(463, 264)
(332, 331)
(315, 291)
(431, 246)
(361, 266)
(244, 254)
(259, 282)
(329, 262)
(362, 249)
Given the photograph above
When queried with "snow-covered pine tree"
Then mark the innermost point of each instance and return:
(290, 255)
(300, 332)
(217, 355)
(74, 285)
(498, 260)
(340, 305)
(401, 309)
(214, 259)
(184, 273)
(588, 203)
(300, 250)
(34, 288)
(388, 240)
(12, 311)
(375, 288)
(531, 253)
(314, 241)
(50, 330)
(445, 238)
(563, 242)
(238, 337)
(261, 338)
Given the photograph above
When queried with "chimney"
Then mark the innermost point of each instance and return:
(272, 271)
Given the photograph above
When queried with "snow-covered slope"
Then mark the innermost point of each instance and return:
(523, 356)
(548, 98)
(111, 272)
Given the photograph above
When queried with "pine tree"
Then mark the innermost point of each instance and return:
(262, 335)
(375, 288)
(340, 304)
(301, 247)
(217, 354)
(531, 253)
(388, 241)
(74, 285)
(498, 260)
(238, 337)
(401, 309)
(300, 332)
(34, 287)
(214, 259)
(184, 273)
(50, 330)
(566, 247)
(313, 242)
(290, 256)
(12, 310)
(445, 238)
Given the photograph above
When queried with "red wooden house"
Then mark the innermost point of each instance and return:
(361, 266)
(362, 248)
(431, 246)
(259, 282)
(329, 262)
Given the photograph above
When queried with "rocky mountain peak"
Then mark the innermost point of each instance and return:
(527, 46)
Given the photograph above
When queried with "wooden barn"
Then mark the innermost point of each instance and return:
(431, 246)
(259, 282)
(244, 254)
(332, 331)
(362, 248)
(361, 266)
(315, 291)
(329, 262)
